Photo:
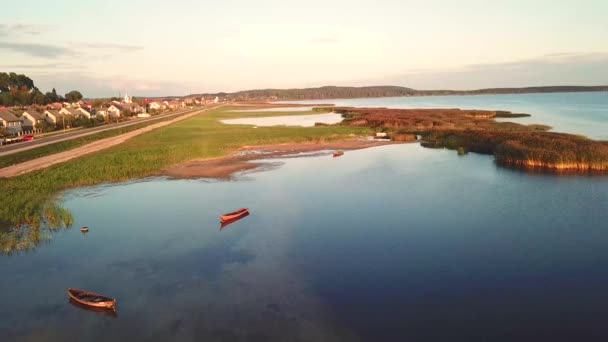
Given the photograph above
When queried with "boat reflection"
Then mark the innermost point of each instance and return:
(100, 311)
(229, 222)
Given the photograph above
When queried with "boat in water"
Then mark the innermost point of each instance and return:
(92, 299)
(223, 224)
(235, 215)
(338, 154)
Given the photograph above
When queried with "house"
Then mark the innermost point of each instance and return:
(155, 105)
(54, 105)
(175, 104)
(53, 117)
(114, 110)
(133, 107)
(10, 122)
(82, 111)
(70, 112)
(31, 120)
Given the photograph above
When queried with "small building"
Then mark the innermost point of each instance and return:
(114, 110)
(53, 117)
(31, 120)
(82, 111)
(73, 112)
(155, 105)
(10, 122)
(143, 115)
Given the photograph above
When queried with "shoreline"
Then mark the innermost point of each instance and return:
(244, 158)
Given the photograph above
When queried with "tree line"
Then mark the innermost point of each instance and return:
(19, 90)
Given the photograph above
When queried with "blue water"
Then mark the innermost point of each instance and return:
(577, 113)
(392, 243)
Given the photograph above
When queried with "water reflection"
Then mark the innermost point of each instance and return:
(99, 311)
(30, 235)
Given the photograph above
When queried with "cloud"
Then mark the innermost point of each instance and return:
(41, 66)
(554, 69)
(27, 29)
(112, 46)
(324, 40)
(37, 50)
(92, 85)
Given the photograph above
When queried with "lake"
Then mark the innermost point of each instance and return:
(580, 113)
(391, 243)
(307, 120)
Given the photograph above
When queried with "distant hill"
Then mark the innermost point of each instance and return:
(333, 92)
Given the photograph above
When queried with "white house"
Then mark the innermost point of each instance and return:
(53, 116)
(155, 105)
(83, 112)
(31, 119)
(114, 110)
(69, 111)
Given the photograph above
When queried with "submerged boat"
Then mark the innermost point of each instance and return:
(92, 299)
(338, 154)
(234, 215)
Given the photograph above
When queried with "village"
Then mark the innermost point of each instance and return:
(23, 123)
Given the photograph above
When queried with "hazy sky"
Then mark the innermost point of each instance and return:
(154, 47)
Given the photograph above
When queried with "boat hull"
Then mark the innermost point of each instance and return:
(84, 298)
(234, 215)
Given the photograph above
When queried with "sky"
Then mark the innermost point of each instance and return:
(179, 47)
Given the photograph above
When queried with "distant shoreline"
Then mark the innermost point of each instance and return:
(337, 93)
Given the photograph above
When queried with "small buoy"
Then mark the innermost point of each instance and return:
(84, 229)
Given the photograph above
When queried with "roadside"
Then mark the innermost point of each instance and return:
(68, 144)
(56, 137)
(50, 160)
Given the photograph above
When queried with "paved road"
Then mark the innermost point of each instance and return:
(23, 146)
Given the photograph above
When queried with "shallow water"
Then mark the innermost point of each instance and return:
(578, 113)
(391, 243)
(291, 120)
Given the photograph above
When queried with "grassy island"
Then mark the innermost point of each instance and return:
(527, 146)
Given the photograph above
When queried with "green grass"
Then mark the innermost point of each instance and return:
(61, 146)
(202, 136)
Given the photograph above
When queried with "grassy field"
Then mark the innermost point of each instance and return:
(202, 136)
(61, 146)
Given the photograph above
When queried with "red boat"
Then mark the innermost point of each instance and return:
(92, 299)
(234, 215)
(338, 154)
(224, 224)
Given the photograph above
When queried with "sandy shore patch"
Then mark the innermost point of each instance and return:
(225, 167)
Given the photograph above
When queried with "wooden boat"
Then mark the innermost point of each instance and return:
(223, 224)
(234, 215)
(84, 229)
(338, 154)
(92, 299)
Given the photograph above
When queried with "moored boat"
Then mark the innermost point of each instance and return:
(92, 299)
(234, 215)
(338, 154)
(224, 224)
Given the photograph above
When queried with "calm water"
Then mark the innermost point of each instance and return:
(308, 120)
(386, 244)
(579, 113)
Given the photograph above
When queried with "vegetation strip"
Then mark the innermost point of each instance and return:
(66, 145)
(44, 162)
